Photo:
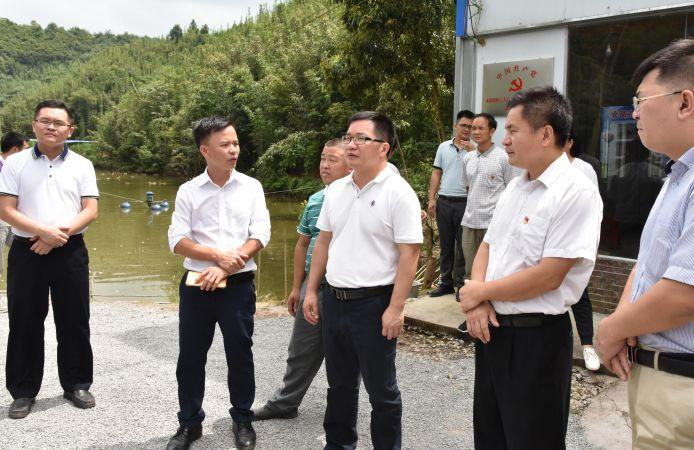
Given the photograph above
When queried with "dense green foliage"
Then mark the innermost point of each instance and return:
(289, 78)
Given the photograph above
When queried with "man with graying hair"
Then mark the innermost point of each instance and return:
(306, 344)
(649, 339)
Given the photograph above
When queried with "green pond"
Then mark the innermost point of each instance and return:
(129, 253)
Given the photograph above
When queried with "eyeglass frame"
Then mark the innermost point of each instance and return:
(346, 140)
(464, 126)
(636, 101)
(57, 124)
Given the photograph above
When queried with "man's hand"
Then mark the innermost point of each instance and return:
(432, 208)
(393, 320)
(471, 295)
(467, 145)
(478, 320)
(231, 261)
(311, 307)
(53, 236)
(211, 277)
(40, 247)
(613, 352)
(293, 301)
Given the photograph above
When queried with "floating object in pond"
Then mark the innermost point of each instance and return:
(155, 207)
(125, 205)
(164, 204)
(149, 198)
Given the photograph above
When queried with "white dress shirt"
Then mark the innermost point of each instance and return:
(586, 169)
(366, 226)
(222, 218)
(557, 215)
(48, 192)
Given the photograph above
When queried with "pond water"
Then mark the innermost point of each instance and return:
(129, 253)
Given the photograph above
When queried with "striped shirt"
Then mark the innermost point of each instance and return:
(307, 224)
(667, 249)
(485, 175)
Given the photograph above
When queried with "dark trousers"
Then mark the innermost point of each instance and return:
(583, 314)
(449, 214)
(65, 273)
(199, 311)
(354, 345)
(522, 387)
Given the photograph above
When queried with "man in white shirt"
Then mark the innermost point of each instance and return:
(367, 249)
(49, 196)
(11, 143)
(219, 224)
(486, 173)
(535, 261)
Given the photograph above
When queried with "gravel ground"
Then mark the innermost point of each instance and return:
(135, 348)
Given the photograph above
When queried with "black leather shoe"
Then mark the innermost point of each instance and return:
(20, 408)
(82, 399)
(184, 437)
(266, 413)
(462, 328)
(441, 290)
(244, 435)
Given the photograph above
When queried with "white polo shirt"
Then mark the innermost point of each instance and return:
(367, 225)
(48, 192)
(223, 218)
(557, 215)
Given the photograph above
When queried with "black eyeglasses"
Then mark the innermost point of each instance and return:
(359, 140)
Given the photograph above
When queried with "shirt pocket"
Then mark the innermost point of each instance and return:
(530, 238)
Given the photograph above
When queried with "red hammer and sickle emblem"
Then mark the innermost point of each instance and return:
(516, 85)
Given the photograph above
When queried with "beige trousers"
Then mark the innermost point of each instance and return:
(660, 406)
(472, 239)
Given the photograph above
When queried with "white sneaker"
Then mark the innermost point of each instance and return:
(591, 358)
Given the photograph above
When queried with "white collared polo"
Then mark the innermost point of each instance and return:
(220, 217)
(557, 215)
(49, 192)
(366, 226)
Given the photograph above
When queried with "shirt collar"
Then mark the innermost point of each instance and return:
(204, 178)
(682, 165)
(36, 153)
(489, 151)
(382, 175)
(551, 173)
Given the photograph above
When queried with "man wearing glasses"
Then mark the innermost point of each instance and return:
(450, 206)
(367, 249)
(49, 196)
(649, 339)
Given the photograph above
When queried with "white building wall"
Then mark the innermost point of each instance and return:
(547, 43)
(505, 15)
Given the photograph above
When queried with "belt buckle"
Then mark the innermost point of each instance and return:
(631, 353)
(340, 294)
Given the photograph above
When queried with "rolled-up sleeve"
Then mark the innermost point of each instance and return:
(259, 226)
(180, 219)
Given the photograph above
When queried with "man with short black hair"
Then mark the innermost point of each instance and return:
(219, 224)
(12, 142)
(531, 267)
(486, 173)
(449, 207)
(306, 344)
(649, 339)
(49, 196)
(375, 215)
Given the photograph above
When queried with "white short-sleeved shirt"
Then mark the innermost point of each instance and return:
(48, 192)
(223, 218)
(586, 169)
(557, 215)
(366, 226)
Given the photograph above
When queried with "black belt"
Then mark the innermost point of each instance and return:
(27, 240)
(674, 363)
(452, 199)
(526, 320)
(357, 293)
